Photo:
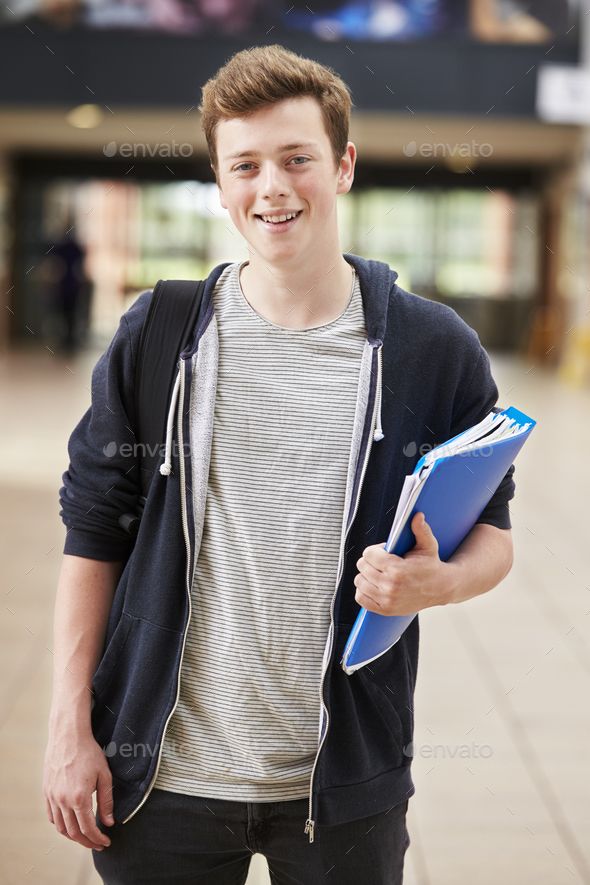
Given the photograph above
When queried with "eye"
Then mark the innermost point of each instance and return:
(299, 158)
(239, 167)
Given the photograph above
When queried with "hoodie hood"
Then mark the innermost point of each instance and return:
(377, 281)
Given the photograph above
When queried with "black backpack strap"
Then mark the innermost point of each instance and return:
(167, 330)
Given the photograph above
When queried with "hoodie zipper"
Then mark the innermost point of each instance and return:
(310, 822)
(184, 518)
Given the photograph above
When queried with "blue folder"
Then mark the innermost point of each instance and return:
(451, 485)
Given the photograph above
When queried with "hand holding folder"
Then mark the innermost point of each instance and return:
(451, 485)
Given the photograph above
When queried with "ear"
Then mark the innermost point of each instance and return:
(346, 169)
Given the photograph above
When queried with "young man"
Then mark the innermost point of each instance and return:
(221, 722)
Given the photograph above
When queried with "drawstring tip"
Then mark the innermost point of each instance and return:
(166, 467)
(378, 436)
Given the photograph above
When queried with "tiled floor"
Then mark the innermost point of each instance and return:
(502, 748)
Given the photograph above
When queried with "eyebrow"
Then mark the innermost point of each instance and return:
(281, 149)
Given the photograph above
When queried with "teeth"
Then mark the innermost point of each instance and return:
(275, 219)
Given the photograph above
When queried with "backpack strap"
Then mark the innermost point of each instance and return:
(167, 330)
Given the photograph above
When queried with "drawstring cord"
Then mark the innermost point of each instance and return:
(166, 467)
(378, 434)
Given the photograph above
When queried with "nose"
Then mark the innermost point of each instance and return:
(274, 182)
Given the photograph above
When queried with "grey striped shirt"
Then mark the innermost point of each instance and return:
(246, 724)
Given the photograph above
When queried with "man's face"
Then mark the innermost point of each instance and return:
(286, 165)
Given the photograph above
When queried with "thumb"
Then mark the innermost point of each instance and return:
(104, 796)
(425, 539)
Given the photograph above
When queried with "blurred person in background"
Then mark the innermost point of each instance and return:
(197, 686)
(66, 291)
(71, 291)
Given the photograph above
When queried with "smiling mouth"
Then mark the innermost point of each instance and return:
(279, 225)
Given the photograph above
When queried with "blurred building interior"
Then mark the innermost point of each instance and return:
(472, 124)
(465, 183)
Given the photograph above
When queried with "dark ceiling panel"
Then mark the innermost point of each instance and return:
(44, 65)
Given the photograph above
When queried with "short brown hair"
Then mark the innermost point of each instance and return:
(263, 75)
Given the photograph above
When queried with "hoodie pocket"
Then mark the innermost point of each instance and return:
(384, 708)
(136, 687)
(387, 680)
(112, 654)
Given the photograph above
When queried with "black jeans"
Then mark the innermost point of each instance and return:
(176, 839)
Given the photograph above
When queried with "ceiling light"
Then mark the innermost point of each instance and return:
(85, 116)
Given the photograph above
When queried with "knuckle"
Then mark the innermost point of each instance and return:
(392, 584)
(79, 802)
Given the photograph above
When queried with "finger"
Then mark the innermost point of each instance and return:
(73, 829)
(378, 557)
(71, 823)
(104, 797)
(422, 532)
(365, 595)
(369, 603)
(425, 524)
(371, 574)
(59, 822)
(89, 829)
(49, 810)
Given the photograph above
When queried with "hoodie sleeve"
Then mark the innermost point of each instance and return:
(475, 398)
(102, 480)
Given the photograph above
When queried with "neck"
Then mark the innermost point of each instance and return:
(298, 298)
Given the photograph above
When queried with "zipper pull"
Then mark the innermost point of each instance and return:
(309, 827)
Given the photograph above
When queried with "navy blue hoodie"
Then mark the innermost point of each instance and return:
(424, 378)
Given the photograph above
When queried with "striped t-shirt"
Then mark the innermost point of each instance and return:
(246, 724)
